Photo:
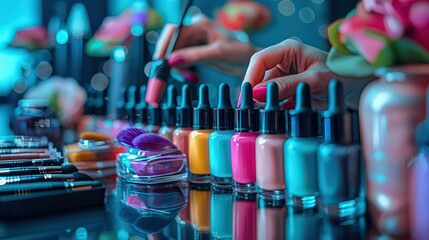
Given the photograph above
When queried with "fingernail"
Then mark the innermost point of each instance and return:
(191, 77)
(239, 101)
(259, 93)
(176, 60)
(288, 106)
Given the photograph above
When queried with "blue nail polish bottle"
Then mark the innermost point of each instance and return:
(221, 214)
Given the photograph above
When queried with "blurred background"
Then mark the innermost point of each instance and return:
(106, 45)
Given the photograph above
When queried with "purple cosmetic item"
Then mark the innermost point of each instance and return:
(419, 181)
(154, 159)
(126, 136)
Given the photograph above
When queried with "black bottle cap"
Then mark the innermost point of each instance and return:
(246, 116)
(337, 121)
(303, 118)
(223, 115)
(153, 116)
(184, 111)
(99, 104)
(130, 104)
(271, 118)
(203, 113)
(422, 131)
(120, 104)
(169, 110)
(287, 122)
(140, 107)
(355, 126)
(160, 69)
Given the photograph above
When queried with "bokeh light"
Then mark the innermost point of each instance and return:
(107, 68)
(152, 37)
(147, 68)
(322, 30)
(318, 1)
(99, 82)
(62, 36)
(20, 85)
(43, 70)
(307, 15)
(120, 53)
(286, 7)
(136, 30)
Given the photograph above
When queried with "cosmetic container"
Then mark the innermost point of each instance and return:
(140, 110)
(158, 79)
(419, 181)
(220, 140)
(243, 155)
(93, 157)
(169, 114)
(199, 166)
(270, 175)
(221, 221)
(184, 121)
(271, 219)
(301, 152)
(390, 109)
(338, 162)
(35, 117)
(244, 220)
(153, 119)
(152, 167)
(200, 211)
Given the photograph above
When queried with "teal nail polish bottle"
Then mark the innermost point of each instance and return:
(301, 152)
(220, 140)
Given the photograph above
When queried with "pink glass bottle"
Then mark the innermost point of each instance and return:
(243, 155)
(244, 220)
(390, 110)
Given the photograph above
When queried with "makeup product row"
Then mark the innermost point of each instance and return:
(187, 212)
(33, 173)
(250, 150)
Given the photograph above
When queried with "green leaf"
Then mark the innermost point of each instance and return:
(334, 36)
(348, 65)
(407, 51)
(386, 56)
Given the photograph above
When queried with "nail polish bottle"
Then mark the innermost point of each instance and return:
(159, 74)
(220, 140)
(350, 230)
(301, 152)
(271, 220)
(120, 104)
(184, 121)
(302, 225)
(200, 210)
(244, 220)
(199, 166)
(140, 110)
(243, 154)
(339, 162)
(169, 114)
(153, 119)
(221, 221)
(419, 181)
(270, 175)
(130, 104)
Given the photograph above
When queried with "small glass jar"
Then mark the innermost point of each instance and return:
(152, 167)
(35, 117)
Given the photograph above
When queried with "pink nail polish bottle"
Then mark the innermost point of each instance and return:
(270, 175)
(243, 155)
(244, 220)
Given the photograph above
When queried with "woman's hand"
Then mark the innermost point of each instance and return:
(289, 63)
(204, 42)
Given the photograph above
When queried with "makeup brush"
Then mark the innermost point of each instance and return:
(160, 70)
(24, 156)
(152, 142)
(28, 188)
(33, 162)
(126, 136)
(37, 170)
(45, 177)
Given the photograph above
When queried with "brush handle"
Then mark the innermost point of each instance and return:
(28, 188)
(176, 34)
(42, 177)
(34, 162)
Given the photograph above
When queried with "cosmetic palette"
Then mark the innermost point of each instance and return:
(95, 157)
(152, 167)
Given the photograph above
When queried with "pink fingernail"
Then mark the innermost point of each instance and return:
(260, 93)
(288, 106)
(191, 77)
(176, 60)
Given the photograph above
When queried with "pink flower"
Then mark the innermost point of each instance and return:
(31, 38)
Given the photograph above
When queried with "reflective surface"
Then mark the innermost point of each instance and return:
(181, 211)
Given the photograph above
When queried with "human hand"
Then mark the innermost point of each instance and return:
(204, 42)
(289, 63)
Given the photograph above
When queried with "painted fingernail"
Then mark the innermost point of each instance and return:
(259, 93)
(176, 60)
(239, 101)
(191, 77)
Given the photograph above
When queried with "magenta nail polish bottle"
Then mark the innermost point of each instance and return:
(270, 175)
(243, 154)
